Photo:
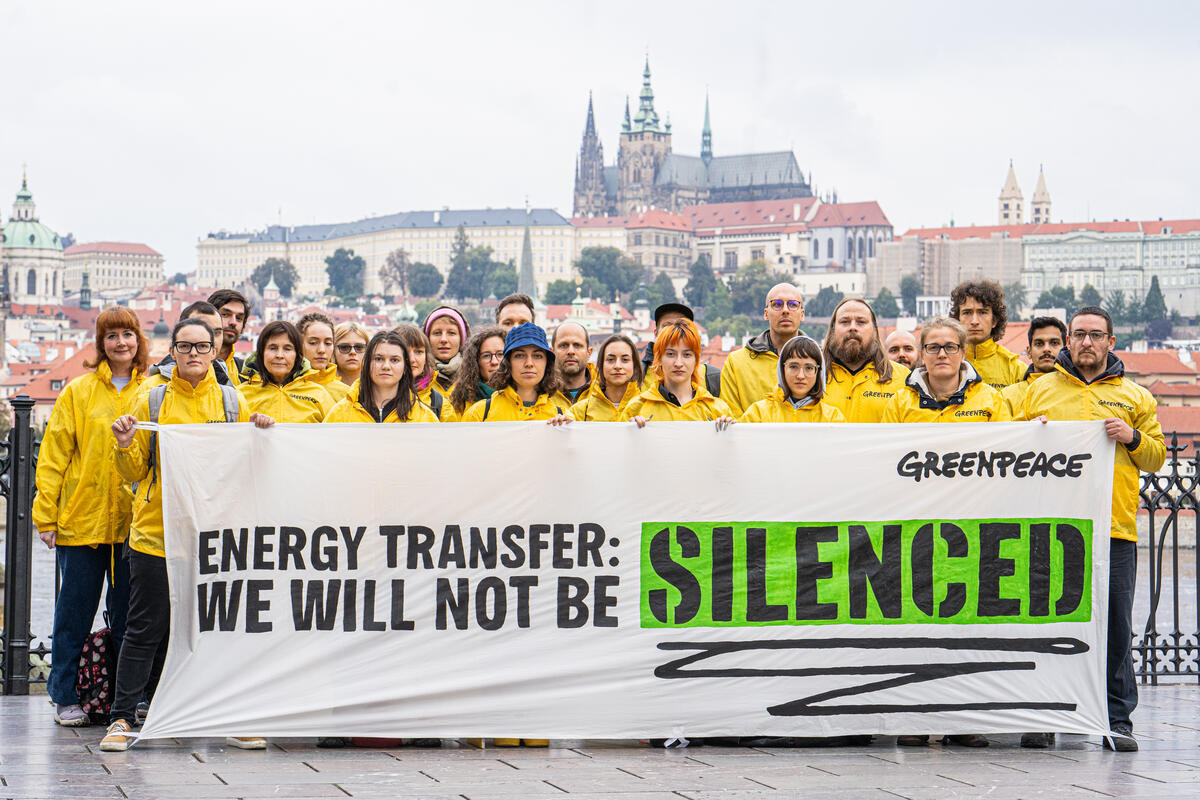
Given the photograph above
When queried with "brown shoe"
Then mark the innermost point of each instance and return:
(912, 741)
(967, 740)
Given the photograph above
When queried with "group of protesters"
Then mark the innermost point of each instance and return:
(98, 499)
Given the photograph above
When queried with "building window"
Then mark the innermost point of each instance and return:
(730, 260)
(849, 248)
(757, 255)
(860, 248)
(816, 249)
(871, 247)
(31, 282)
(829, 248)
(637, 239)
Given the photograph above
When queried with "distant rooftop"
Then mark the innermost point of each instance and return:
(471, 218)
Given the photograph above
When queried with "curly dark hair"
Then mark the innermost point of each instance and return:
(989, 294)
(465, 390)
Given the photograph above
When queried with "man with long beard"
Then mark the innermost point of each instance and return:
(861, 379)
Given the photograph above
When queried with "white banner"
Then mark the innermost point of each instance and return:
(516, 580)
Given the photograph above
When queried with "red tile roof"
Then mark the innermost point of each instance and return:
(1154, 362)
(654, 218)
(119, 248)
(1184, 420)
(66, 371)
(841, 215)
(749, 213)
(1153, 228)
(1163, 389)
(562, 311)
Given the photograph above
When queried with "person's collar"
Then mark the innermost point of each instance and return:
(1113, 368)
(918, 379)
(761, 343)
(984, 349)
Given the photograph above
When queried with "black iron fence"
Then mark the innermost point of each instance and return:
(1168, 645)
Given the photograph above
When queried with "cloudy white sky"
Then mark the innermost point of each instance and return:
(160, 121)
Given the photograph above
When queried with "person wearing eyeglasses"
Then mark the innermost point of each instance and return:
(349, 345)
(1089, 383)
(750, 374)
(480, 360)
(385, 390)
(801, 385)
(277, 381)
(980, 307)
(191, 396)
(945, 387)
(318, 346)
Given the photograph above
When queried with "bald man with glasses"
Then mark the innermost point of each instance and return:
(751, 373)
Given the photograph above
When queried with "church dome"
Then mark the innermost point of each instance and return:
(29, 234)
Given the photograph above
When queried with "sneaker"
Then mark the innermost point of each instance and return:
(333, 741)
(71, 716)
(143, 708)
(118, 738)
(246, 742)
(1122, 739)
(1037, 741)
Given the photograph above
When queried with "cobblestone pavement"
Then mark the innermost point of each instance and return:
(39, 760)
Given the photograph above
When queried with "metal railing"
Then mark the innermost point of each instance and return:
(1167, 647)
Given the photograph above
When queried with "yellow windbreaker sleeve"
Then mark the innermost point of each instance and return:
(54, 456)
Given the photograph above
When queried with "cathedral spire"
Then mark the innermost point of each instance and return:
(626, 125)
(590, 129)
(706, 135)
(646, 118)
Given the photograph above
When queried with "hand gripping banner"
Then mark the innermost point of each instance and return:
(517, 580)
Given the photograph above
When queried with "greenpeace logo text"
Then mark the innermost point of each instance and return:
(1115, 404)
(990, 464)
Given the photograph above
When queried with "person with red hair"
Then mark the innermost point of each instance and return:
(83, 508)
(677, 390)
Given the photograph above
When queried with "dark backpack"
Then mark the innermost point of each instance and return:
(94, 681)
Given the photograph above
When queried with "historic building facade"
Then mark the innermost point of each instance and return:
(650, 175)
(32, 255)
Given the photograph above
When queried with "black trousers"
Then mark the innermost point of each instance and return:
(146, 632)
(1122, 686)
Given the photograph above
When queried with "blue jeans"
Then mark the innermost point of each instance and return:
(84, 571)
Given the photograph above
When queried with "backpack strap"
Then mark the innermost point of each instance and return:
(156, 400)
(712, 380)
(229, 399)
(436, 401)
(487, 407)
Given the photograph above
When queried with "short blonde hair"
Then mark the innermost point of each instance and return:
(944, 322)
(344, 329)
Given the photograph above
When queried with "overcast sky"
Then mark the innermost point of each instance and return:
(160, 121)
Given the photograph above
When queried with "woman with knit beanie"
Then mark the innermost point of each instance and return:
(423, 373)
(448, 332)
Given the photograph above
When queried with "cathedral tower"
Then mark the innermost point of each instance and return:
(589, 171)
(1039, 205)
(645, 144)
(1012, 202)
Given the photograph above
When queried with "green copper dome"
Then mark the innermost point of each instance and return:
(30, 234)
(23, 229)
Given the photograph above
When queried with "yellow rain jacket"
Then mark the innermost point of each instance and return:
(182, 404)
(1064, 395)
(507, 406)
(231, 365)
(859, 395)
(298, 400)
(974, 401)
(749, 374)
(1015, 395)
(596, 407)
(79, 493)
(329, 381)
(348, 409)
(446, 410)
(777, 408)
(997, 366)
(659, 404)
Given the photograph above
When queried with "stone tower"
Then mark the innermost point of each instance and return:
(645, 143)
(589, 171)
(32, 255)
(1039, 205)
(706, 136)
(1012, 202)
